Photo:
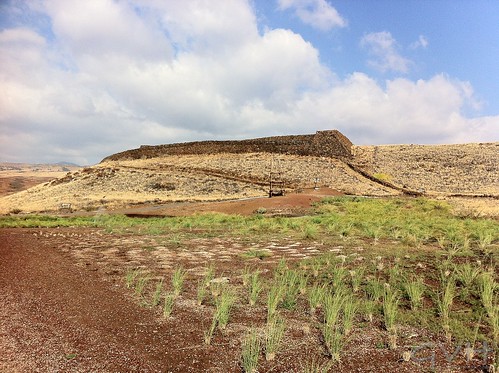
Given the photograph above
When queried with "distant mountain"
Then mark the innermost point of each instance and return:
(30, 165)
(69, 164)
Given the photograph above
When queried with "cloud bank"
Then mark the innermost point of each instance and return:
(82, 80)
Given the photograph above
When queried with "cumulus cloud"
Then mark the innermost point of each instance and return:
(192, 70)
(385, 56)
(404, 111)
(316, 13)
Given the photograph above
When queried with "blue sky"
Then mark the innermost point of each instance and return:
(83, 79)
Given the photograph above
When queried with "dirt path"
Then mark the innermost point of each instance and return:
(56, 316)
(292, 204)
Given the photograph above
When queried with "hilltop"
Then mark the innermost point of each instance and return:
(230, 170)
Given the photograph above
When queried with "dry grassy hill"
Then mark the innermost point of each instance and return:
(159, 177)
(114, 184)
(469, 169)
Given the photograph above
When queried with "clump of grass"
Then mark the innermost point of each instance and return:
(375, 233)
(250, 351)
(374, 289)
(224, 305)
(168, 304)
(246, 275)
(203, 284)
(350, 307)
(485, 239)
(356, 277)
(316, 297)
(175, 239)
(445, 298)
(273, 336)
(490, 303)
(332, 307)
(394, 273)
(369, 308)
(414, 288)
(210, 274)
(178, 280)
(302, 283)
(281, 268)
(309, 231)
(487, 286)
(130, 277)
(346, 230)
(140, 285)
(256, 253)
(216, 287)
(338, 273)
(315, 366)
(208, 335)
(316, 267)
(156, 297)
(274, 298)
(255, 287)
(290, 283)
(466, 274)
(333, 336)
(333, 339)
(202, 292)
(391, 300)
(412, 240)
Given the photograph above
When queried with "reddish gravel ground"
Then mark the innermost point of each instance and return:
(290, 204)
(56, 316)
(64, 306)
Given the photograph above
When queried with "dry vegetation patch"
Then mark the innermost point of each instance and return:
(437, 169)
(445, 171)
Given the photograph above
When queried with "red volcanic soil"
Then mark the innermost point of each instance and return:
(291, 204)
(14, 184)
(56, 316)
(64, 306)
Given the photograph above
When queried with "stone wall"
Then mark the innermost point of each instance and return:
(324, 143)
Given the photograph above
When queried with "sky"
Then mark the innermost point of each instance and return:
(80, 80)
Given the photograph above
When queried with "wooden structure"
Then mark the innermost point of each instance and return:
(276, 182)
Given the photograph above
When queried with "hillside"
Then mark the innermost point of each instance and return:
(114, 184)
(469, 169)
(224, 171)
(15, 177)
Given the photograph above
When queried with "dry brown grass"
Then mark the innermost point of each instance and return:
(437, 169)
(440, 171)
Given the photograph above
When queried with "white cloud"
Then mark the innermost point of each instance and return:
(168, 72)
(422, 42)
(383, 48)
(205, 26)
(106, 28)
(425, 111)
(316, 13)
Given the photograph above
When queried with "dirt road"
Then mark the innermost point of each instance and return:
(57, 316)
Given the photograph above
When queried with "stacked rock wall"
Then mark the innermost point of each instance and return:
(324, 143)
